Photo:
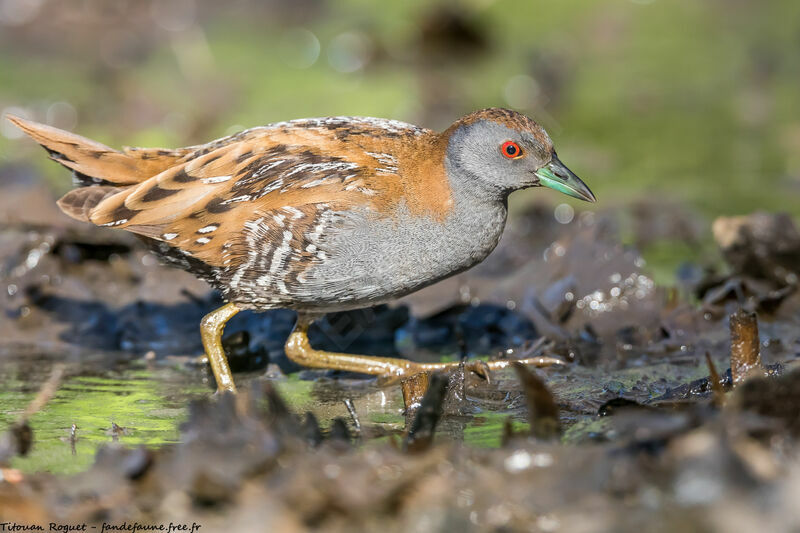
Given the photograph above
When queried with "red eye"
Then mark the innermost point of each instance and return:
(511, 150)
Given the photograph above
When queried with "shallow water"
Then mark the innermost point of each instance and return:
(138, 403)
(147, 405)
(144, 404)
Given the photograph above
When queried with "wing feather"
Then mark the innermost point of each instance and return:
(204, 204)
(253, 208)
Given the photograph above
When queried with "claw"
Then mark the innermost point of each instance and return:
(481, 368)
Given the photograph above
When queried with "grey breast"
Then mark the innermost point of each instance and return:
(373, 259)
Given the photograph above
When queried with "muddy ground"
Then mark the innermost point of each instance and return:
(655, 421)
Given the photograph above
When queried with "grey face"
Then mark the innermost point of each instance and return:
(504, 159)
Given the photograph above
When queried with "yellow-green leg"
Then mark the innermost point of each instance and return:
(299, 350)
(211, 328)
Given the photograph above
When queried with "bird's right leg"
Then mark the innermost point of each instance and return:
(298, 349)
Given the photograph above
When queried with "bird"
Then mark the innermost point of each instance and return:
(317, 215)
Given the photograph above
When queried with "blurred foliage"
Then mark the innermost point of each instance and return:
(694, 100)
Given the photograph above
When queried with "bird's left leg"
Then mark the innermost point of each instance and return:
(211, 328)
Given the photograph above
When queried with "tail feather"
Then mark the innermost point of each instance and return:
(78, 203)
(99, 172)
(97, 164)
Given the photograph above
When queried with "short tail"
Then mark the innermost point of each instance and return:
(98, 171)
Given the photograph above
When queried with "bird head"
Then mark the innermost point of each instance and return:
(507, 151)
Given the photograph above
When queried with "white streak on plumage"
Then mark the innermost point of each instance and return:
(280, 252)
(296, 213)
(216, 179)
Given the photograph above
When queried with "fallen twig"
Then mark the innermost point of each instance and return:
(745, 352)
